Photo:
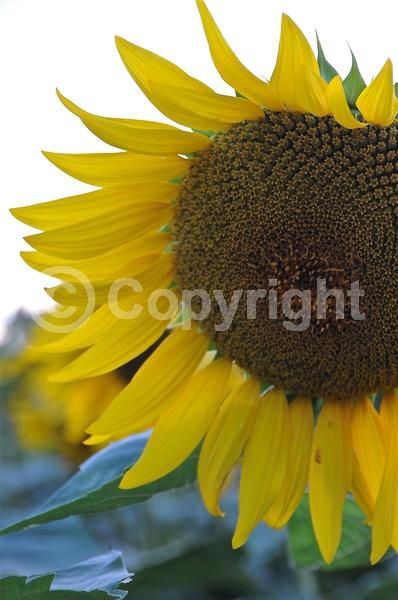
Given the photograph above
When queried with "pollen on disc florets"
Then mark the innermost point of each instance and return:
(295, 198)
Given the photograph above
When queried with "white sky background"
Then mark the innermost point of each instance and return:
(70, 44)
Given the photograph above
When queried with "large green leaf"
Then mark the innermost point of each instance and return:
(326, 69)
(94, 488)
(354, 83)
(354, 549)
(386, 590)
(37, 549)
(208, 565)
(95, 579)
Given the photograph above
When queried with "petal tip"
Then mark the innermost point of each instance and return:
(48, 155)
(375, 556)
(62, 98)
(122, 43)
(123, 485)
(237, 542)
(129, 480)
(286, 20)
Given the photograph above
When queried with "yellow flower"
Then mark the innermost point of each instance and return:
(285, 183)
(49, 416)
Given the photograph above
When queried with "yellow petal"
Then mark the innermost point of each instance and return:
(86, 401)
(292, 490)
(181, 97)
(230, 67)
(154, 387)
(117, 262)
(144, 65)
(361, 491)
(59, 315)
(180, 429)
(238, 376)
(201, 110)
(95, 440)
(377, 102)
(310, 92)
(97, 326)
(119, 168)
(264, 464)
(367, 438)
(99, 274)
(159, 269)
(339, 106)
(95, 236)
(386, 512)
(330, 474)
(87, 334)
(145, 137)
(65, 211)
(225, 440)
(296, 79)
(125, 341)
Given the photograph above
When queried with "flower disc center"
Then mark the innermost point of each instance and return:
(298, 206)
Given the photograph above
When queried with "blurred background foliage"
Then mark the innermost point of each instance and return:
(78, 548)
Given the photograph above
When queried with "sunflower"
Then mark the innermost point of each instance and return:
(288, 181)
(50, 417)
(53, 417)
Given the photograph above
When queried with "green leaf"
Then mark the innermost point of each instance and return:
(176, 180)
(95, 579)
(326, 69)
(387, 590)
(354, 549)
(207, 132)
(209, 566)
(353, 84)
(68, 534)
(104, 572)
(94, 488)
(396, 88)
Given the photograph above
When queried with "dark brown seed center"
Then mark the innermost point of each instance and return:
(294, 200)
